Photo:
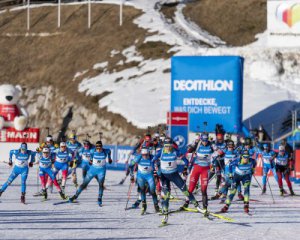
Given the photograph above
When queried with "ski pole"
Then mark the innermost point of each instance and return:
(37, 178)
(271, 190)
(126, 169)
(129, 193)
(175, 191)
(214, 175)
(257, 182)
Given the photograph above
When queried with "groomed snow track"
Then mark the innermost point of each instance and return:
(85, 220)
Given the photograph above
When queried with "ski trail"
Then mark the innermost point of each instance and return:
(194, 31)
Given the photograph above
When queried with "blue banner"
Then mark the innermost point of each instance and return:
(210, 89)
(119, 155)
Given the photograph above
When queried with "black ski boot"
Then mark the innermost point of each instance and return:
(136, 204)
(63, 195)
(240, 196)
(44, 194)
(23, 198)
(100, 201)
(185, 205)
(264, 190)
(156, 207)
(246, 207)
(144, 207)
(205, 204)
(73, 198)
(281, 192)
(217, 196)
(292, 192)
(225, 208)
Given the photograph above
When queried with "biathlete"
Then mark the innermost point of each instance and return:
(145, 176)
(97, 170)
(24, 159)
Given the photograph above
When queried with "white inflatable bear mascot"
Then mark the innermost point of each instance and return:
(11, 114)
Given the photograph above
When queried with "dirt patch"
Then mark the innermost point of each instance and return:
(169, 11)
(35, 61)
(234, 21)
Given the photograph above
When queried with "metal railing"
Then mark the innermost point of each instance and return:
(14, 3)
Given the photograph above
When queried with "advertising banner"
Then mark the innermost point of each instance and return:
(284, 23)
(209, 89)
(296, 173)
(120, 155)
(30, 135)
(179, 128)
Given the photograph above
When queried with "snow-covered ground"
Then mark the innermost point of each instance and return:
(85, 220)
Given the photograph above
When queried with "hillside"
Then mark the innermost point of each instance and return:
(47, 56)
(116, 79)
(234, 21)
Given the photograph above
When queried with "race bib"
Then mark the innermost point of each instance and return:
(86, 158)
(21, 163)
(145, 169)
(61, 160)
(171, 165)
(99, 162)
(44, 165)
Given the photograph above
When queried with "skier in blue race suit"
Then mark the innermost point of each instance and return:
(229, 156)
(23, 159)
(241, 171)
(45, 164)
(84, 157)
(166, 164)
(73, 146)
(268, 157)
(145, 176)
(63, 157)
(97, 170)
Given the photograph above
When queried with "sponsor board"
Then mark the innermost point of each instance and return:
(179, 128)
(209, 89)
(284, 23)
(28, 135)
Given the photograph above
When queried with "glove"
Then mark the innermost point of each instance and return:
(90, 162)
(110, 161)
(10, 163)
(185, 172)
(31, 164)
(132, 179)
(155, 173)
(71, 164)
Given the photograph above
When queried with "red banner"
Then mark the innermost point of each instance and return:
(178, 118)
(31, 135)
(259, 166)
(297, 164)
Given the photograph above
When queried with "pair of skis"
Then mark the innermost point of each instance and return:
(208, 215)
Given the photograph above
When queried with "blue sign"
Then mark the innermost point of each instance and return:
(120, 155)
(180, 135)
(210, 89)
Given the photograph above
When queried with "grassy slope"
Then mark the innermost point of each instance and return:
(234, 21)
(54, 60)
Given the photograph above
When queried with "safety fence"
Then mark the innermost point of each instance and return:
(29, 4)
